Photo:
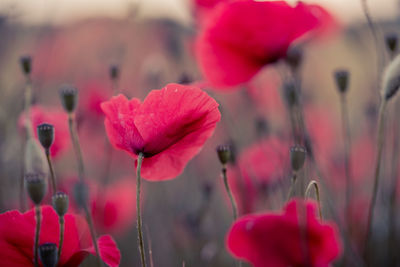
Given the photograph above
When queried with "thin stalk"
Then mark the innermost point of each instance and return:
(76, 145)
(380, 139)
(292, 186)
(60, 243)
(37, 233)
(228, 190)
(81, 172)
(347, 145)
(314, 184)
(138, 210)
(52, 173)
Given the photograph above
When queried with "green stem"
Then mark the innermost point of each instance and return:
(139, 215)
(314, 184)
(380, 140)
(37, 233)
(347, 145)
(228, 190)
(81, 172)
(52, 173)
(292, 186)
(60, 244)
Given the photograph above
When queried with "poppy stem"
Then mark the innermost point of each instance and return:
(382, 109)
(81, 172)
(228, 190)
(37, 232)
(139, 215)
(60, 244)
(52, 173)
(347, 146)
(314, 184)
(292, 186)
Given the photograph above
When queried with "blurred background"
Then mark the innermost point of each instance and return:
(152, 43)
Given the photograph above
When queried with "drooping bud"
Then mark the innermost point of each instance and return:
(69, 97)
(342, 80)
(45, 133)
(297, 157)
(290, 94)
(391, 42)
(48, 254)
(35, 160)
(36, 186)
(26, 64)
(224, 153)
(294, 57)
(114, 72)
(81, 193)
(391, 79)
(60, 203)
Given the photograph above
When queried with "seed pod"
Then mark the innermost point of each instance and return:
(342, 80)
(60, 203)
(224, 153)
(391, 42)
(26, 64)
(297, 157)
(69, 97)
(45, 133)
(36, 186)
(114, 72)
(48, 254)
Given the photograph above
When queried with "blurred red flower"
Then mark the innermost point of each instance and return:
(58, 118)
(241, 37)
(169, 127)
(274, 240)
(17, 238)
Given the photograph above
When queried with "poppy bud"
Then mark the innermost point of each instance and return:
(81, 193)
(45, 133)
(69, 97)
(114, 72)
(294, 57)
(48, 254)
(342, 80)
(36, 186)
(290, 94)
(391, 42)
(60, 203)
(391, 79)
(297, 157)
(35, 160)
(224, 153)
(26, 64)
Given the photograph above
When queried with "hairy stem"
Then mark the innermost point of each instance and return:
(60, 244)
(229, 192)
(52, 173)
(138, 210)
(37, 233)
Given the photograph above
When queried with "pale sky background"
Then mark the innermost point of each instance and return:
(60, 11)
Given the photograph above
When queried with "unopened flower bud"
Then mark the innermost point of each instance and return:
(297, 157)
(45, 133)
(60, 203)
(36, 186)
(290, 94)
(224, 153)
(114, 72)
(69, 97)
(294, 57)
(391, 42)
(35, 160)
(342, 80)
(391, 79)
(48, 254)
(26, 64)
(81, 193)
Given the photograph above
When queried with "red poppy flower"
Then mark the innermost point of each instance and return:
(56, 117)
(274, 240)
(241, 37)
(169, 127)
(17, 238)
